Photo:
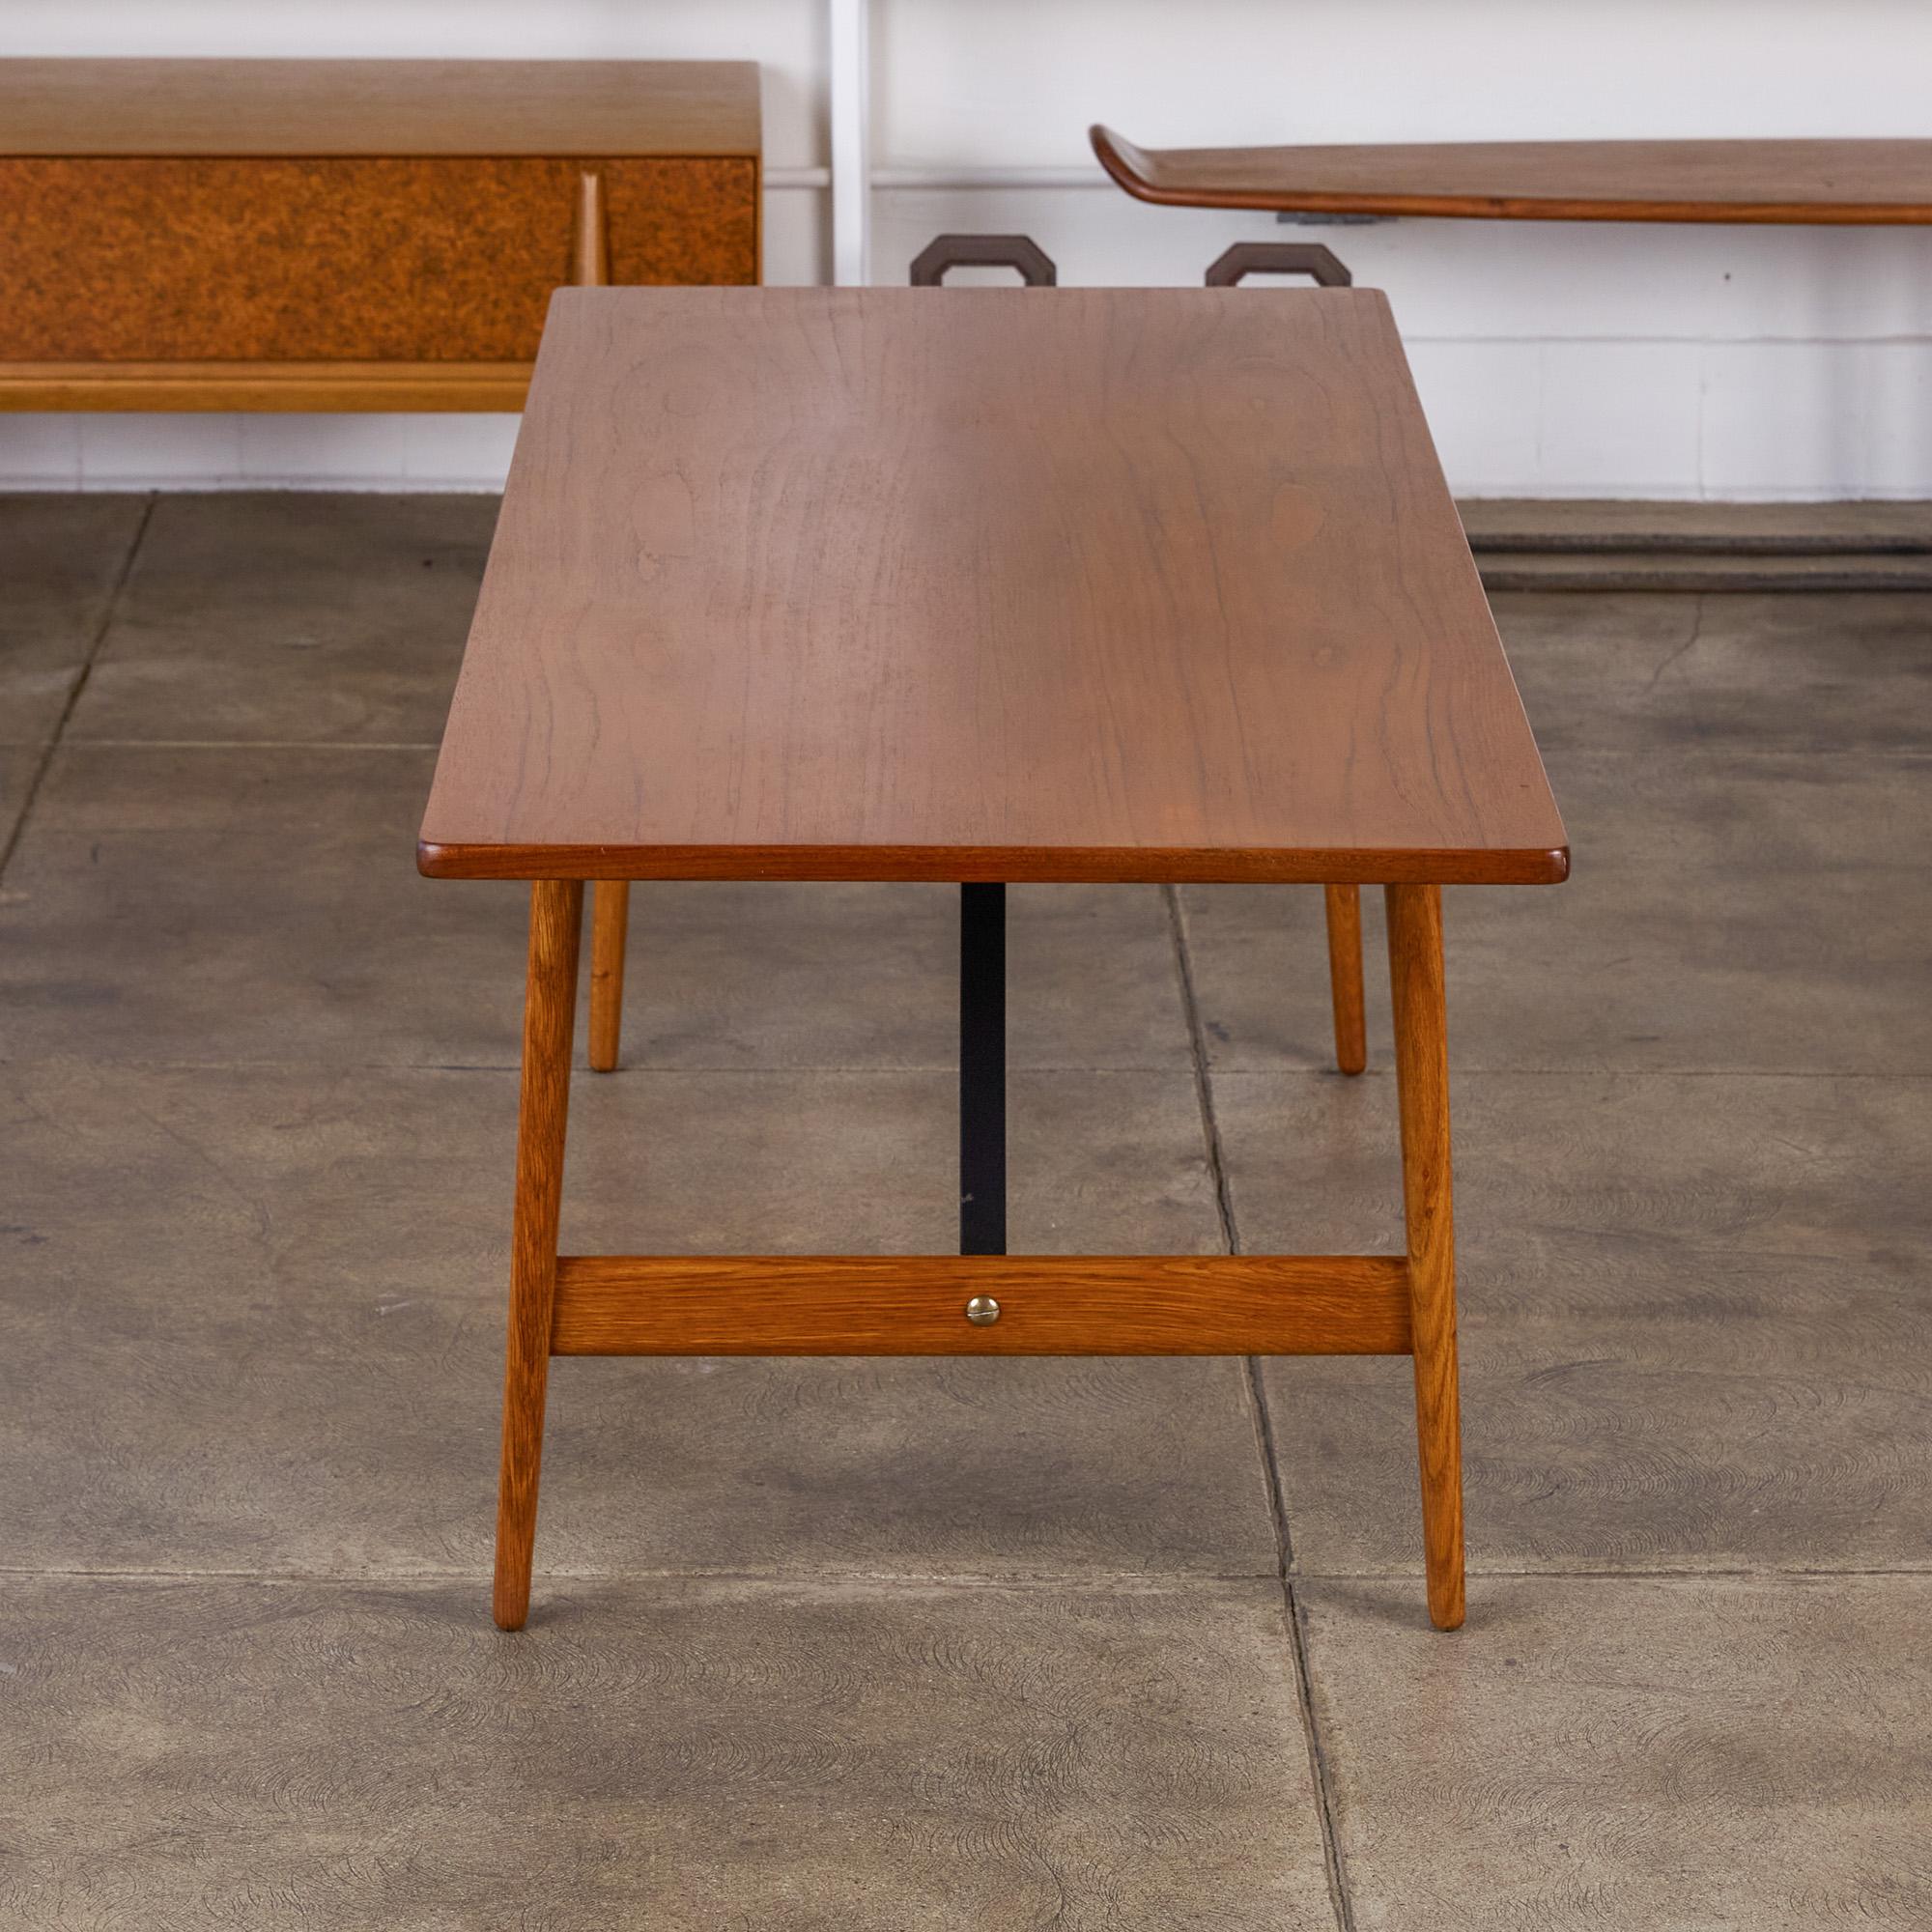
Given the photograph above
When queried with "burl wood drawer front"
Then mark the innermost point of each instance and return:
(338, 260)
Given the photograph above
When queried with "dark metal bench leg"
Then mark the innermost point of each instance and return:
(983, 1070)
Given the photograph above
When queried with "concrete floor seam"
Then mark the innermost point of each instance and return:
(78, 688)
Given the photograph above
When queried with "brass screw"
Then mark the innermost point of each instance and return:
(982, 1311)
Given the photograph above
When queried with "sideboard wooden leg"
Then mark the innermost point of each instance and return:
(1422, 1078)
(609, 929)
(550, 1015)
(590, 233)
(1344, 975)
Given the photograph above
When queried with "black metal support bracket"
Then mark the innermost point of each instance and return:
(983, 1070)
(1305, 217)
(1322, 265)
(1020, 253)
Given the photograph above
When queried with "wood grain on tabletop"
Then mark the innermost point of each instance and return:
(982, 584)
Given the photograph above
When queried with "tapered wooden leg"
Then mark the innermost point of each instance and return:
(1345, 977)
(1422, 1078)
(609, 927)
(550, 1015)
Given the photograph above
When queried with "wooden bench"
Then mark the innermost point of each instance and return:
(1824, 183)
(347, 234)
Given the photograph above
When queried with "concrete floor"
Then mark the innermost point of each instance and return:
(885, 1645)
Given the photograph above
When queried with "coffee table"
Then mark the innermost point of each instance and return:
(981, 585)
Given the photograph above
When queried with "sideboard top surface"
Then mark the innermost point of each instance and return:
(331, 107)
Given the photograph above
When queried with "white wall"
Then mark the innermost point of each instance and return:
(1555, 360)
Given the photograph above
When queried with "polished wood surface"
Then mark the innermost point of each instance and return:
(1422, 1081)
(1857, 183)
(982, 584)
(1345, 977)
(311, 107)
(915, 1305)
(550, 1016)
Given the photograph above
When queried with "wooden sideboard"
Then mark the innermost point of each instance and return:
(347, 234)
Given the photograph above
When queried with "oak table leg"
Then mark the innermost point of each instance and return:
(1344, 975)
(1422, 1078)
(550, 1015)
(609, 927)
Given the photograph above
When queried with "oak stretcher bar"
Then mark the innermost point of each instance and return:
(1050, 1305)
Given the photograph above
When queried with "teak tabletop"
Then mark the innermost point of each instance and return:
(983, 584)
(979, 585)
(1793, 183)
